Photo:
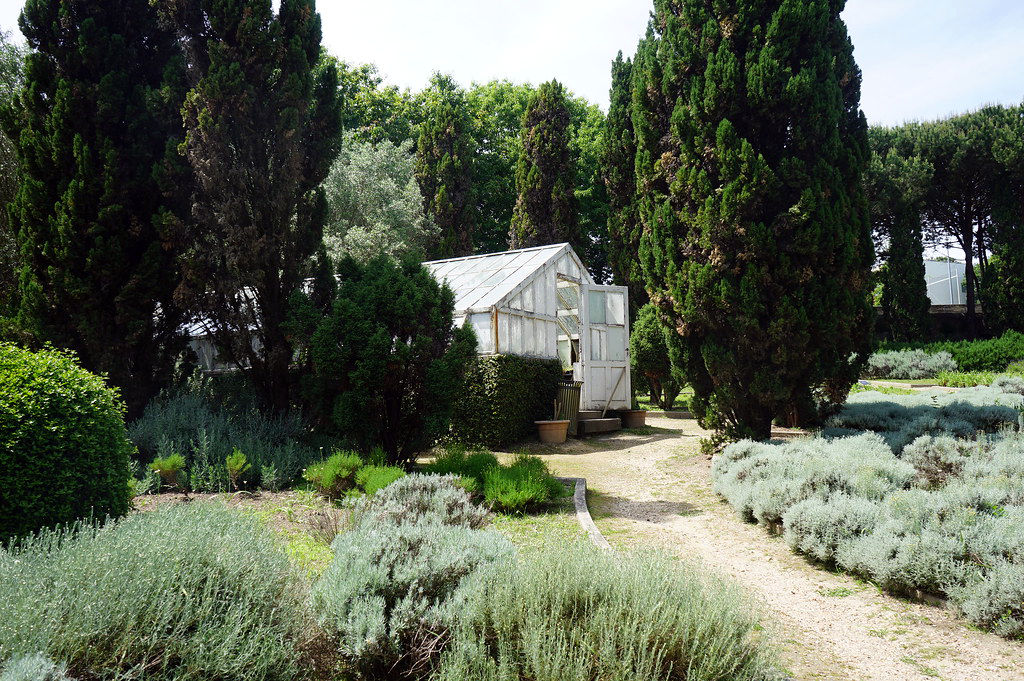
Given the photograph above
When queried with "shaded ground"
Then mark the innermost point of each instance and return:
(651, 487)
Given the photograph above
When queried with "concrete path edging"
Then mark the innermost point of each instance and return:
(579, 500)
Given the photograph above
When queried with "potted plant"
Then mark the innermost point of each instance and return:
(553, 432)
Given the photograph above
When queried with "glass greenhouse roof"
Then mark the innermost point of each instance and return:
(483, 281)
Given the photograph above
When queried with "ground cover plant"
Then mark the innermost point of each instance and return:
(924, 504)
(187, 591)
(572, 612)
(63, 446)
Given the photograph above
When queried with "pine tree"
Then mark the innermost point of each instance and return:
(897, 181)
(756, 239)
(263, 127)
(546, 210)
(100, 100)
(620, 180)
(444, 166)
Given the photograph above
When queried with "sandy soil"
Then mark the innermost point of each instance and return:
(654, 489)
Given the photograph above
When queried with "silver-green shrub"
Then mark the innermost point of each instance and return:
(762, 481)
(574, 613)
(387, 595)
(996, 600)
(821, 528)
(909, 364)
(416, 498)
(937, 458)
(194, 591)
(35, 667)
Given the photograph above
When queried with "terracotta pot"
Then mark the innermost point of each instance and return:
(633, 418)
(552, 432)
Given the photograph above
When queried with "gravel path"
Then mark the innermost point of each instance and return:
(654, 490)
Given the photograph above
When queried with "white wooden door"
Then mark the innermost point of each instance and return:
(604, 347)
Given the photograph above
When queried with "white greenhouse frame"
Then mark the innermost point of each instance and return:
(542, 302)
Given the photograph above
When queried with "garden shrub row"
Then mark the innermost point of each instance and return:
(64, 451)
(503, 396)
(979, 355)
(941, 514)
(416, 590)
(908, 364)
(968, 379)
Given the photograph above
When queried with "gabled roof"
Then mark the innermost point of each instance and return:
(483, 281)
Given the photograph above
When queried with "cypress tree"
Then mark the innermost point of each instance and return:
(546, 210)
(263, 125)
(897, 182)
(444, 166)
(99, 102)
(620, 180)
(756, 239)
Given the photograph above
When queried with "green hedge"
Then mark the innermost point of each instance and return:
(993, 354)
(63, 446)
(504, 395)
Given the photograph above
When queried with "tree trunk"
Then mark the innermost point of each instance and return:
(967, 230)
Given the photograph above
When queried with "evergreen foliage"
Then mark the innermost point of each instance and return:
(751, 148)
(91, 123)
(63, 446)
(12, 72)
(444, 167)
(371, 112)
(384, 367)
(546, 208)
(619, 178)
(256, 230)
(374, 203)
(897, 182)
(649, 356)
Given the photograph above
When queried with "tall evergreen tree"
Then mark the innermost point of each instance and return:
(620, 181)
(897, 181)
(444, 166)
(756, 238)
(12, 76)
(546, 208)
(100, 100)
(263, 126)
(1002, 290)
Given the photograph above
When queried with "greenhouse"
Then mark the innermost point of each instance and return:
(542, 302)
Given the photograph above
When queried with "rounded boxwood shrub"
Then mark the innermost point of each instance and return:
(63, 446)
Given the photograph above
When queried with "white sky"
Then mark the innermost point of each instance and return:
(921, 58)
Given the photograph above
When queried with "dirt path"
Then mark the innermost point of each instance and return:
(655, 490)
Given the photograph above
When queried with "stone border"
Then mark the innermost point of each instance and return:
(579, 500)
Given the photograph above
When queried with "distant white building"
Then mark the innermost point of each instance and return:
(947, 282)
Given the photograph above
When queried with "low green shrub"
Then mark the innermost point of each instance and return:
(169, 468)
(185, 592)
(32, 668)
(502, 396)
(418, 498)
(523, 485)
(237, 465)
(387, 595)
(336, 475)
(371, 479)
(63, 447)
(909, 364)
(576, 613)
(979, 355)
(456, 459)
